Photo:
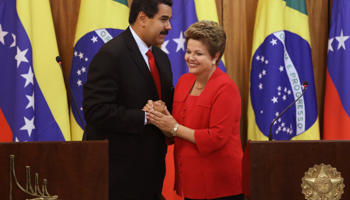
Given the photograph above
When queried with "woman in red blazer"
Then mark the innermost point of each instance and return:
(205, 125)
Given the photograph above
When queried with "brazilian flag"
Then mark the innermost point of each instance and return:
(281, 61)
(99, 21)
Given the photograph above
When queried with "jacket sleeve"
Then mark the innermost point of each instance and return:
(224, 120)
(100, 101)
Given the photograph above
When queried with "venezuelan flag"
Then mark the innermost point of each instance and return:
(185, 13)
(337, 97)
(99, 21)
(33, 100)
(281, 61)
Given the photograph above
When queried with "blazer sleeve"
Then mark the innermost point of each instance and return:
(100, 101)
(224, 120)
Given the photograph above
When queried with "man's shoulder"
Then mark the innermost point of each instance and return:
(157, 51)
(115, 44)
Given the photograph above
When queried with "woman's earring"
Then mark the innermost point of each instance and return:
(214, 62)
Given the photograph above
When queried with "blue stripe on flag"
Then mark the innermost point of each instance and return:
(22, 101)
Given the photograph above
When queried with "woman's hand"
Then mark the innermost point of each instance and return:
(165, 122)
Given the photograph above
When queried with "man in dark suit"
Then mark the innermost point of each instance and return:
(119, 84)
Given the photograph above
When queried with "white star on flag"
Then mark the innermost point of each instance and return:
(14, 40)
(29, 125)
(163, 47)
(79, 82)
(81, 55)
(281, 68)
(31, 101)
(21, 56)
(83, 69)
(2, 35)
(180, 42)
(274, 100)
(330, 48)
(273, 42)
(341, 39)
(28, 77)
(94, 39)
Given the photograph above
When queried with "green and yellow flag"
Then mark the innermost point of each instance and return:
(281, 64)
(99, 21)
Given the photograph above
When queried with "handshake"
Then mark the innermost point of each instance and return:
(159, 106)
(162, 119)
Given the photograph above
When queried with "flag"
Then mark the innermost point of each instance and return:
(337, 95)
(185, 13)
(33, 97)
(99, 21)
(281, 61)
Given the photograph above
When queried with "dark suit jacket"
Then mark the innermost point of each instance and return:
(118, 86)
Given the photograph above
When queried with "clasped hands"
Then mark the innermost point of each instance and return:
(158, 115)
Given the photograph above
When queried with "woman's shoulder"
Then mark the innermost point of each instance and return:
(222, 79)
(186, 76)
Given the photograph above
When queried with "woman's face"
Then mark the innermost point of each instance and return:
(198, 59)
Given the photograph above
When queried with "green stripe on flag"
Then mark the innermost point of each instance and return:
(298, 5)
(125, 2)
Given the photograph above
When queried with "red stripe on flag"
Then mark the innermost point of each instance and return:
(336, 120)
(5, 130)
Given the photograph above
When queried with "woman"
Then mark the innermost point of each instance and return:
(205, 125)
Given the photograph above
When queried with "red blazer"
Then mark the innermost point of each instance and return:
(212, 167)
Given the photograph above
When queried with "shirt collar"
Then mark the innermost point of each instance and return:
(140, 43)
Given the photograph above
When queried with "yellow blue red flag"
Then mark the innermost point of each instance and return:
(337, 96)
(281, 61)
(99, 21)
(185, 13)
(33, 100)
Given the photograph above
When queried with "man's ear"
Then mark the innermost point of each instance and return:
(142, 18)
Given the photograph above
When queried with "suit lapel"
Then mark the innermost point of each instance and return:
(140, 62)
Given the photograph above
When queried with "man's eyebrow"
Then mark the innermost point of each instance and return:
(165, 16)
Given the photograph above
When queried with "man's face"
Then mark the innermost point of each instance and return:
(157, 28)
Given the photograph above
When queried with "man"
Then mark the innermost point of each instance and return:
(119, 84)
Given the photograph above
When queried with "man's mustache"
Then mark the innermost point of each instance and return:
(164, 32)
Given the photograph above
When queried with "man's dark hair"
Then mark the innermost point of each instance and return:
(149, 7)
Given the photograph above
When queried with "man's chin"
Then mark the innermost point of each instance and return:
(160, 42)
